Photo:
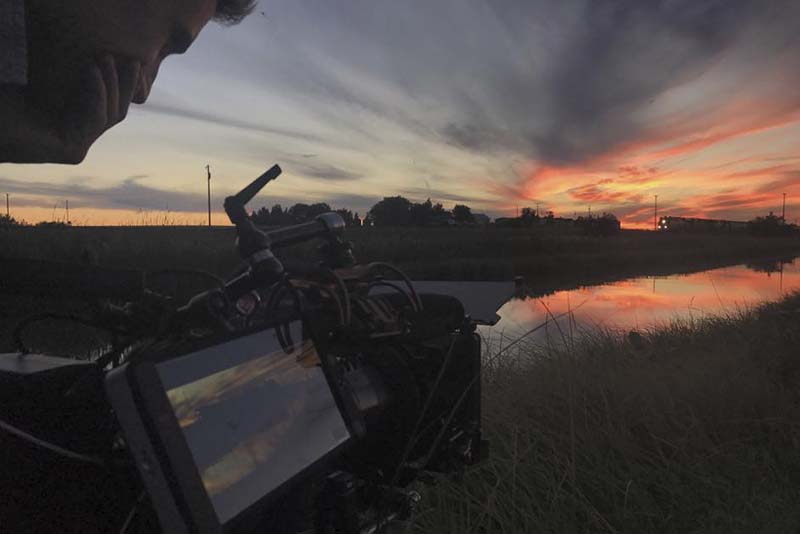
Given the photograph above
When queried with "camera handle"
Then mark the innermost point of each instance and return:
(255, 247)
(253, 244)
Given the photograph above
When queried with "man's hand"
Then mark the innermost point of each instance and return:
(102, 99)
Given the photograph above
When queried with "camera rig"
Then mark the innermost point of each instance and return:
(402, 368)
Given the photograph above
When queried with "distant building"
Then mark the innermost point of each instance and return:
(700, 226)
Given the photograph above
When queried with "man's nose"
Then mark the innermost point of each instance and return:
(147, 77)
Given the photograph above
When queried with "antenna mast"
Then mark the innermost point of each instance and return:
(208, 171)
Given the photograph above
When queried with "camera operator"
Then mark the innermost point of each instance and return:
(70, 69)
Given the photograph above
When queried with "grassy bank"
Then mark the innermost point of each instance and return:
(692, 428)
(425, 253)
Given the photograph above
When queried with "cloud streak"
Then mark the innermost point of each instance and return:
(132, 194)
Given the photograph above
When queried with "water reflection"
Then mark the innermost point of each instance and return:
(642, 303)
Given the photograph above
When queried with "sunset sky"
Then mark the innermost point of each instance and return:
(496, 104)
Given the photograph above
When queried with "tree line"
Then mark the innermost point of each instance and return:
(391, 211)
(399, 211)
(300, 213)
(771, 226)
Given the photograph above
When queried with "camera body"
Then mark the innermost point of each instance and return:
(404, 370)
(295, 398)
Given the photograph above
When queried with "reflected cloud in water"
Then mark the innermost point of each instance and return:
(646, 302)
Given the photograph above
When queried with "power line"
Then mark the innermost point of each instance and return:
(208, 170)
(655, 214)
(783, 213)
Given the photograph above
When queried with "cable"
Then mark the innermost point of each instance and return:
(472, 382)
(401, 274)
(396, 288)
(345, 294)
(11, 429)
(132, 513)
(413, 436)
(337, 300)
(285, 337)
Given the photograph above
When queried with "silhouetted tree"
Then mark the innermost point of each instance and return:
(528, 216)
(317, 209)
(422, 213)
(347, 217)
(298, 213)
(599, 225)
(277, 215)
(391, 211)
(771, 226)
(462, 214)
(262, 217)
(6, 221)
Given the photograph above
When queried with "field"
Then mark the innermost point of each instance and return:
(547, 260)
(694, 428)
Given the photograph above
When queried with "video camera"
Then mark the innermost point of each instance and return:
(296, 397)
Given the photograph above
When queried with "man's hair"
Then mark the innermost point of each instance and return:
(233, 11)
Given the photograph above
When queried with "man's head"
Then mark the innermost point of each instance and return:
(82, 52)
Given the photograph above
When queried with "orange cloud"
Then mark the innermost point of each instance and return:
(623, 181)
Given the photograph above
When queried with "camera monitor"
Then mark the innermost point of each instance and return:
(216, 431)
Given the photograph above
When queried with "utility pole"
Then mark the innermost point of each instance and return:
(8, 209)
(208, 170)
(783, 212)
(67, 203)
(537, 209)
(655, 214)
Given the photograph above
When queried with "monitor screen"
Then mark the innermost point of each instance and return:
(253, 414)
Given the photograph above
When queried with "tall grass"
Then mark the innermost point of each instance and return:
(693, 427)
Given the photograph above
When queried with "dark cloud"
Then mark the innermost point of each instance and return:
(475, 137)
(326, 172)
(787, 179)
(130, 194)
(225, 120)
(561, 82)
(625, 56)
(437, 195)
(595, 193)
(727, 201)
(36, 202)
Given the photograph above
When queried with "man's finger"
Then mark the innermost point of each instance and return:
(111, 79)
